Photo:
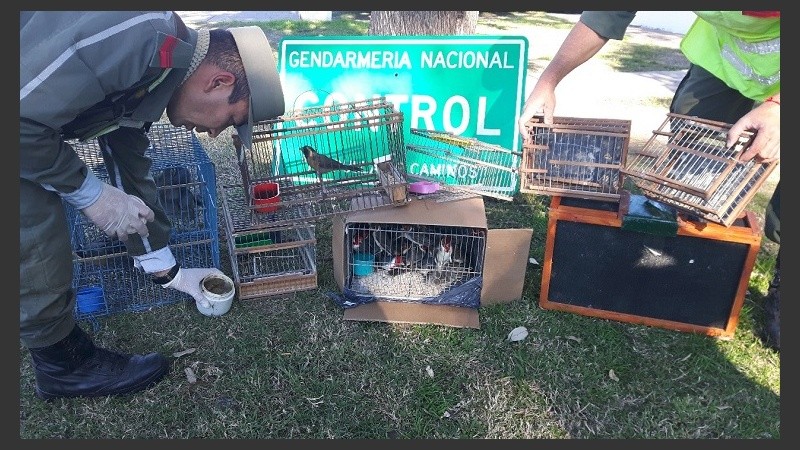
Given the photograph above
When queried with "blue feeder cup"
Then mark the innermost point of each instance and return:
(363, 264)
(90, 299)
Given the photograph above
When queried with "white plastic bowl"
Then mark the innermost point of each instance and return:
(219, 290)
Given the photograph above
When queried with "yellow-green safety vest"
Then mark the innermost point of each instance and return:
(742, 50)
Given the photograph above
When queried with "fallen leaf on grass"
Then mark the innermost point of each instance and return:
(517, 334)
(190, 376)
(316, 401)
(184, 352)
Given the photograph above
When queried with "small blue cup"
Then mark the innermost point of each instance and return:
(363, 264)
(90, 299)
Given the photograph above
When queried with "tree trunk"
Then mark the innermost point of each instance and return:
(406, 23)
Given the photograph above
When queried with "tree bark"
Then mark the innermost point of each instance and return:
(407, 23)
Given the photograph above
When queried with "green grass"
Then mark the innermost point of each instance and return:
(337, 27)
(346, 23)
(513, 19)
(633, 57)
(659, 102)
(291, 367)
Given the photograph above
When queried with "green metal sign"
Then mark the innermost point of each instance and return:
(470, 86)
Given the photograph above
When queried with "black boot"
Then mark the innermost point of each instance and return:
(74, 367)
(772, 307)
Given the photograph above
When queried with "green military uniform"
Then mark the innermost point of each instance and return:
(108, 74)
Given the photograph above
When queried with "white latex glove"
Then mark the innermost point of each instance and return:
(119, 214)
(188, 281)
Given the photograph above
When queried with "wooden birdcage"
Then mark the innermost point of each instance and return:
(575, 157)
(366, 136)
(687, 164)
(273, 261)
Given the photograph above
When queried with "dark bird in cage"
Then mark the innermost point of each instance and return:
(101, 248)
(416, 234)
(322, 164)
(174, 192)
(427, 264)
(467, 250)
(401, 246)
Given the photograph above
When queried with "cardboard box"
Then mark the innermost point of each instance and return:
(504, 265)
(692, 281)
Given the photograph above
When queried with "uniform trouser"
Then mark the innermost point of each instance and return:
(46, 297)
(703, 95)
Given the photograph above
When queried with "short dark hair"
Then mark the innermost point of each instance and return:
(223, 53)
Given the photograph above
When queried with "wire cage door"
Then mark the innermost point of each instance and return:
(686, 163)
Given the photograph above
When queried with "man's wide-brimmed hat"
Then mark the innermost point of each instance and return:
(266, 94)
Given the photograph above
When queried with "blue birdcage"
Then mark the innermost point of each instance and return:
(105, 279)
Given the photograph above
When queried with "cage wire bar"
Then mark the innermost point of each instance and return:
(575, 157)
(186, 182)
(274, 261)
(366, 134)
(686, 164)
(413, 263)
(444, 193)
(467, 163)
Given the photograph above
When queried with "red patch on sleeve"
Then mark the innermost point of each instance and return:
(762, 13)
(165, 52)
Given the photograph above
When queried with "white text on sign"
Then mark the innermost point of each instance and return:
(383, 59)
(424, 110)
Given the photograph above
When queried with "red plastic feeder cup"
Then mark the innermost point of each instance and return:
(266, 197)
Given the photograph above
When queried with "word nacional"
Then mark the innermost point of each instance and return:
(384, 59)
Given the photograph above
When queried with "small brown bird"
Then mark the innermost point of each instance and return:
(323, 164)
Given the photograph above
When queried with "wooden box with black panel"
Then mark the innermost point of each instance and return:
(642, 262)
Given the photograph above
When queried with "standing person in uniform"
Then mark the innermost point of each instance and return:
(109, 75)
(734, 77)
